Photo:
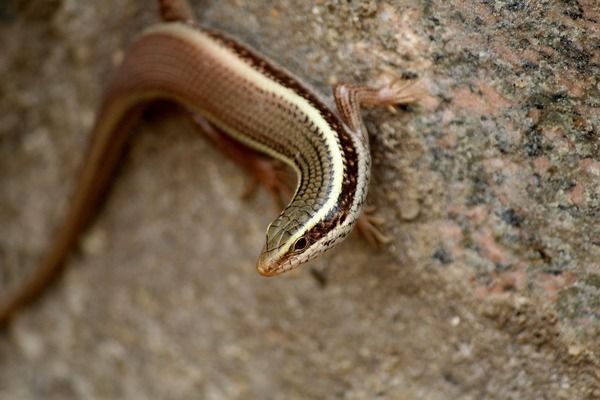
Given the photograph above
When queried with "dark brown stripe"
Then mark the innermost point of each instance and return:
(281, 76)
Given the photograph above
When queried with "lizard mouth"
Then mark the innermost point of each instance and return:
(267, 266)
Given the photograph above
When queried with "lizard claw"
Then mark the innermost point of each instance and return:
(263, 171)
(369, 226)
(272, 175)
(397, 91)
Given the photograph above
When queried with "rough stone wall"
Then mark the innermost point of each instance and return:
(491, 188)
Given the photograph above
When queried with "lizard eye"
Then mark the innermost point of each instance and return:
(300, 244)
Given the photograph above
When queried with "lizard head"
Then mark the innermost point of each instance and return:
(290, 243)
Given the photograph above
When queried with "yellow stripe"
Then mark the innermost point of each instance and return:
(244, 69)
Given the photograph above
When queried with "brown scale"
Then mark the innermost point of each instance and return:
(164, 65)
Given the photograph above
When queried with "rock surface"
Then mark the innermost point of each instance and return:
(491, 188)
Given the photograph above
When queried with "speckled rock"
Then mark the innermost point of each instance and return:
(490, 288)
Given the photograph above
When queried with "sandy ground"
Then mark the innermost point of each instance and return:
(489, 290)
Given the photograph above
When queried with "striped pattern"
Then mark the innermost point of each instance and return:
(252, 100)
(266, 108)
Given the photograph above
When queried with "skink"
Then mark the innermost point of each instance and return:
(255, 102)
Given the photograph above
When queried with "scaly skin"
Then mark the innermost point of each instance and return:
(256, 103)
